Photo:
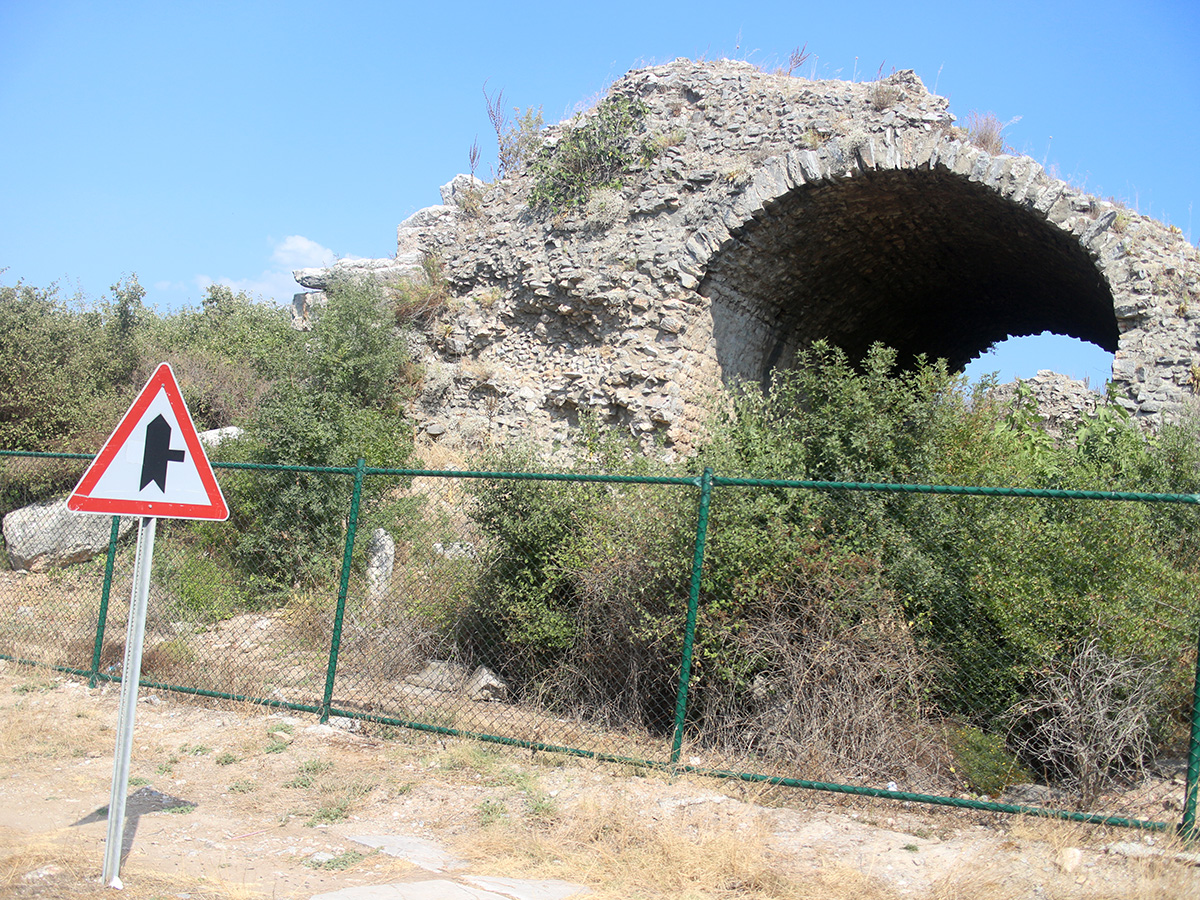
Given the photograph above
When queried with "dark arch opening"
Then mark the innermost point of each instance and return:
(926, 262)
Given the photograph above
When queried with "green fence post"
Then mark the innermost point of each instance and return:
(102, 616)
(1187, 827)
(689, 633)
(343, 588)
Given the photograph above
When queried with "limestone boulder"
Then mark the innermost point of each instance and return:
(381, 557)
(48, 535)
(462, 188)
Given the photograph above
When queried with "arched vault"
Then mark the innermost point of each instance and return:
(926, 261)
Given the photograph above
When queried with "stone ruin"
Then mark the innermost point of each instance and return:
(779, 210)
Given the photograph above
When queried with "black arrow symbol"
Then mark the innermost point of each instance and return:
(158, 453)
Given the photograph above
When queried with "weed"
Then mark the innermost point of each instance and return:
(308, 769)
(911, 848)
(470, 201)
(339, 800)
(226, 759)
(198, 750)
(796, 59)
(138, 781)
(986, 131)
(242, 787)
(660, 142)
(315, 766)
(517, 142)
(420, 299)
(737, 176)
(884, 94)
(543, 808)
(329, 814)
(309, 613)
(276, 747)
(473, 156)
(281, 728)
(31, 687)
(164, 768)
(339, 863)
(492, 812)
(182, 810)
(489, 298)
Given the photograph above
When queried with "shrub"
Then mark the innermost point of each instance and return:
(843, 626)
(996, 589)
(594, 152)
(583, 589)
(1092, 719)
(984, 762)
(809, 656)
(289, 525)
(52, 373)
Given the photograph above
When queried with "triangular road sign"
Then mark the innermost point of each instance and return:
(153, 463)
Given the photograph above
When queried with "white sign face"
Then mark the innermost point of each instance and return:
(153, 463)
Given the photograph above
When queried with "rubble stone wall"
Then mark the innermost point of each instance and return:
(779, 210)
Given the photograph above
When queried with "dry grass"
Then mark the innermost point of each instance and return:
(986, 132)
(623, 833)
(56, 866)
(608, 844)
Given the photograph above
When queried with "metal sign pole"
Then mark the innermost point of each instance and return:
(130, 675)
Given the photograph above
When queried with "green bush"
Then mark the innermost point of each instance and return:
(984, 763)
(963, 601)
(583, 588)
(593, 153)
(289, 526)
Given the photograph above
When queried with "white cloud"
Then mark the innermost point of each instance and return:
(270, 285)
(298, 252)
(276, 282)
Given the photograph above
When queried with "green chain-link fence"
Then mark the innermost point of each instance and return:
(681, 623)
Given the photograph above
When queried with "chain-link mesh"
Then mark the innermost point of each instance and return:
(528, 610)
(910, 645)
(962, 647)
(50, 613)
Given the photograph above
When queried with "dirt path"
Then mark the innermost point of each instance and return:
(279, 799)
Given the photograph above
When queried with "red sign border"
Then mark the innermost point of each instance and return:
(215, 510)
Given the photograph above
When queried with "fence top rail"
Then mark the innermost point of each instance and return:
(38, 454)
(695, 481)
(683, 480)
(961, 490)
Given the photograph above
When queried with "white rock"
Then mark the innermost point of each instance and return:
(47, 535)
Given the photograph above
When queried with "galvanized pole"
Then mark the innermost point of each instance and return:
(689, 633)
(130, 674)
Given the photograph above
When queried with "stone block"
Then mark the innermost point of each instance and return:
(48, 535)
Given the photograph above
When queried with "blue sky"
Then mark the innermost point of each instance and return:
(197, 142)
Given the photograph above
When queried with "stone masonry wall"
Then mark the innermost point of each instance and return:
(780, 210)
